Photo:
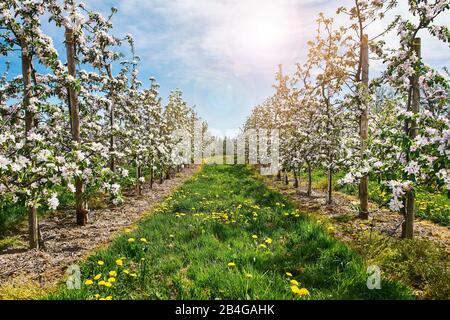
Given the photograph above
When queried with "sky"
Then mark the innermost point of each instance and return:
(223, 54)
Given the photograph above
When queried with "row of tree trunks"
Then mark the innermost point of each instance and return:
(296, 180)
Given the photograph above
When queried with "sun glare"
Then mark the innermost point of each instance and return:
(259, 32)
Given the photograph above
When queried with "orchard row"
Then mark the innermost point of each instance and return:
(69, 123)
(392, 128)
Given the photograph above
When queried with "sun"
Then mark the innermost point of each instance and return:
(259, 32)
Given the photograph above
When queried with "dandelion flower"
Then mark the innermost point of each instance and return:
(100, 262)
(294, 282)
(101, 283)
(130, 240)
(98, 276)
(89, 282)
(119, 262)
(295, 289)
(303, 292)
(268, 241)
(262, 245)
(126, 271)
(143, 240)
(232, 264)
(112, 280)
(289, 274)
(248, 275)
(254, 236)
(108, 284)
(134, 275)
(108, 298)
(113, 274)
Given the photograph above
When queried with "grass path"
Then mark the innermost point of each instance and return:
(225, 235)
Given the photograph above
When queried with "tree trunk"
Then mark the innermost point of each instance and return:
(286, 178)
(81, 212)
(408, 226)
(33, 228)
(309, 191)
(330, 187)
(112, 161)
(279, 175)
(295, 179)
(33, 236)
(364, 128)
(139, 175)
(151, 177)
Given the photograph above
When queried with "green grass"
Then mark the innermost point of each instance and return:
(431, 205)
(10, 218)
(13, 217)
(210, 222)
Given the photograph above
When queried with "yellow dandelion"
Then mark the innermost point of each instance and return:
(98, 276)
(100, 262)
(126, 271)
(303, 292)
(113, 274)
(289, 274)
(112, 280)
(143, 240)
(119, 262)
(131, 240)
(89, 282)
(108, 284)
(134, 275)
(294, 282)
(101, 283)
(269, 241)
(295, 289)
(108, 298)
(248, 275)
(254, 236)
(232, 264)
